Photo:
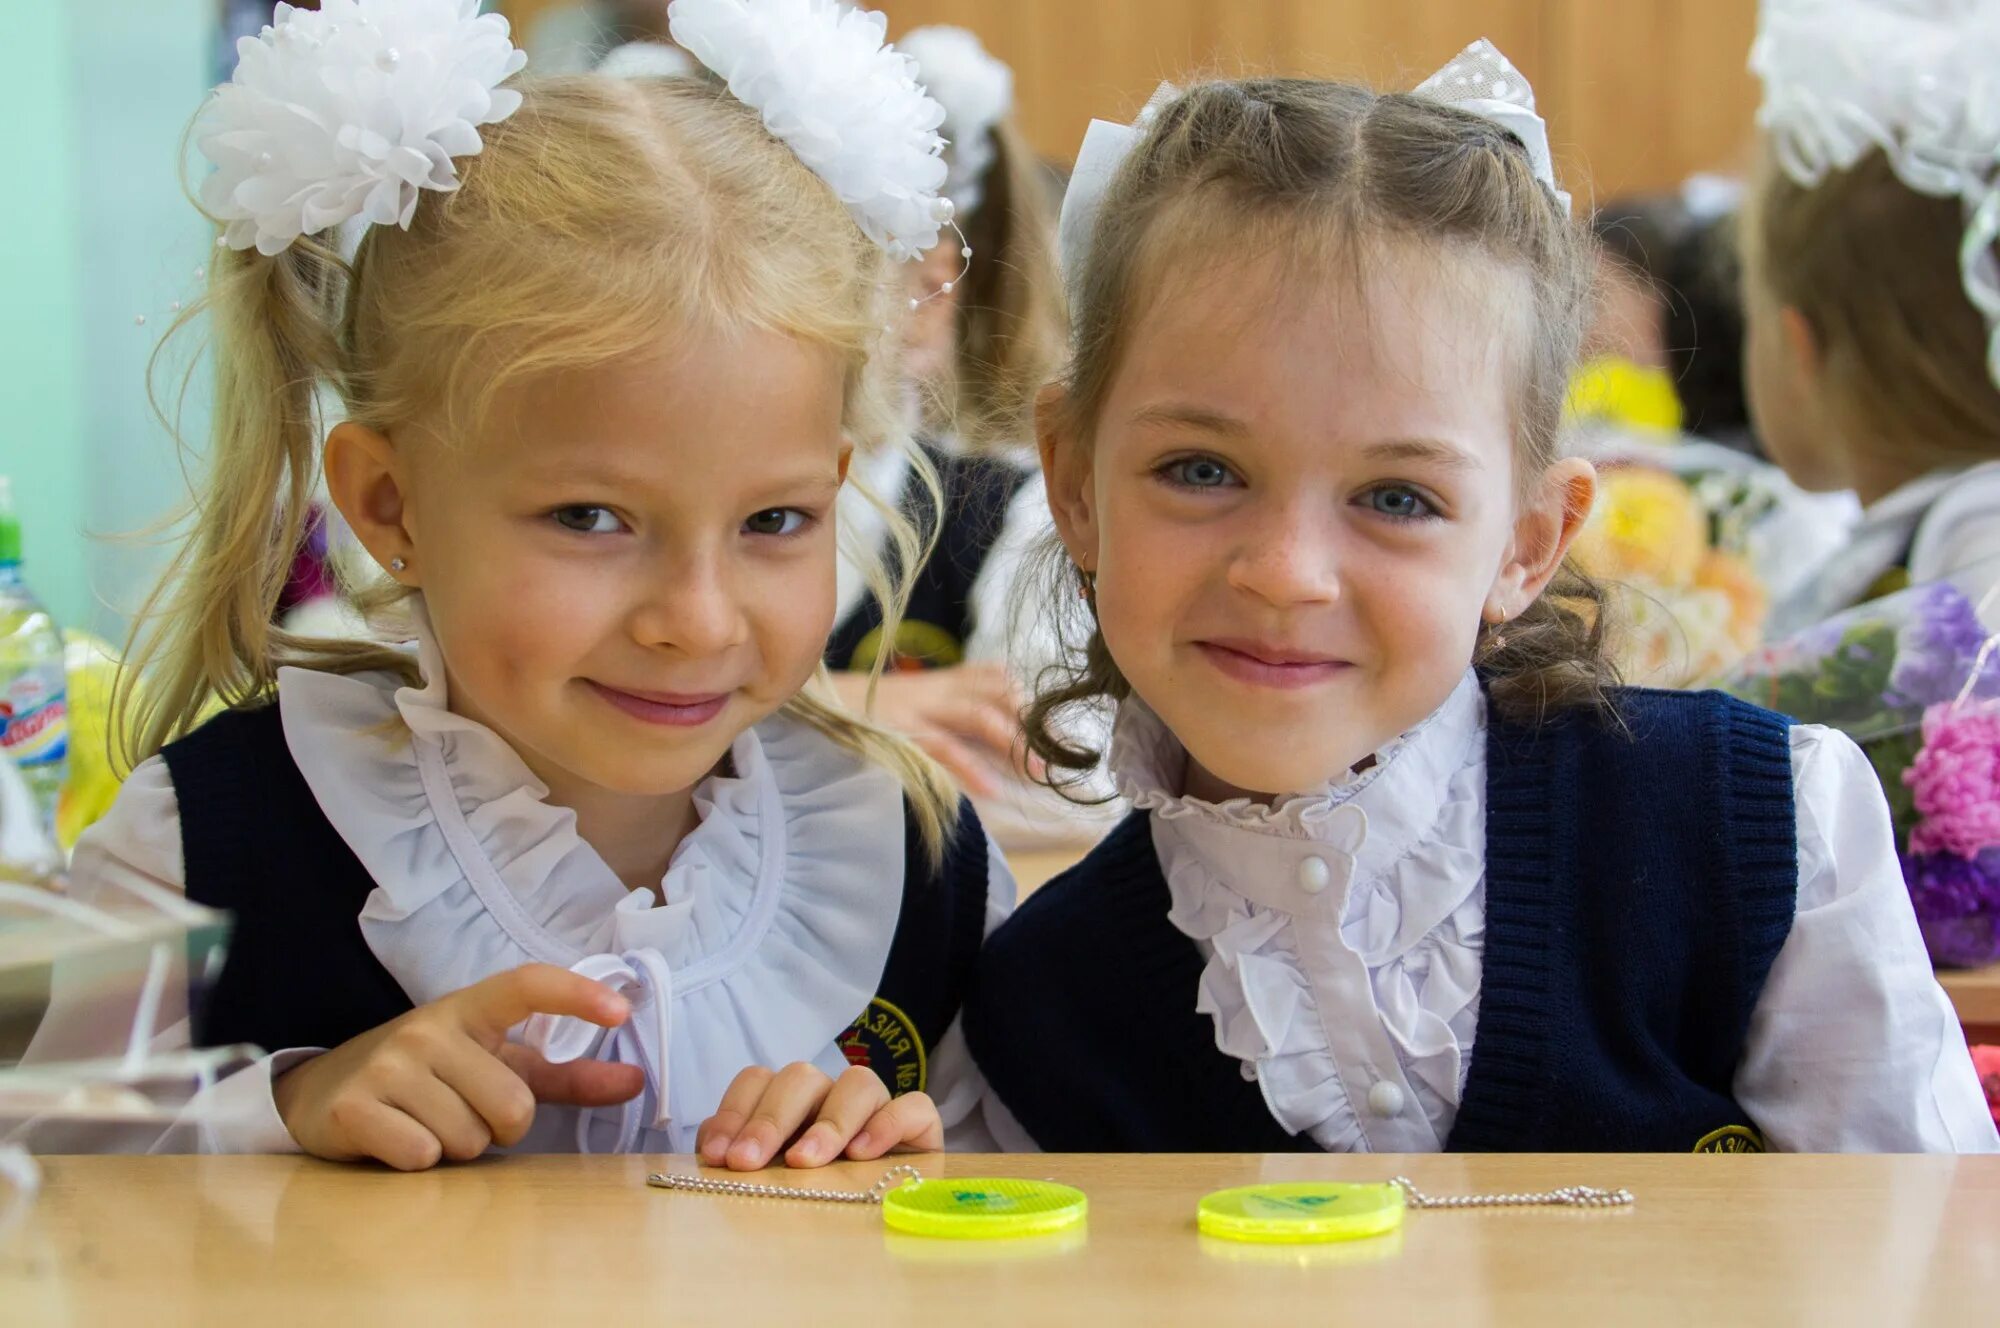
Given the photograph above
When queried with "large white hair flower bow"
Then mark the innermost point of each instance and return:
(1917, 79)
(350, 110)
(828, 85)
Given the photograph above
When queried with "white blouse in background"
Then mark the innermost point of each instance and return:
(1948, 523)
(770, 931)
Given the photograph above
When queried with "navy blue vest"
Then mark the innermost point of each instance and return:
(938, 622)
(300, 974)
(1638, 888)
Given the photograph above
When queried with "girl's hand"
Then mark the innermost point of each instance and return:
(443, 1081)
(966, 717)
(852, 1116)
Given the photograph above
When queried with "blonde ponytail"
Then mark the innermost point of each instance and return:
(205, 634)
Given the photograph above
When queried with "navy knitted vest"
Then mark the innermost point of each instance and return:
(938, 622)
(1638, 888)
(300, 974)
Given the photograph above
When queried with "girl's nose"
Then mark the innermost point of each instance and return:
(1289, 559)
(690, 607)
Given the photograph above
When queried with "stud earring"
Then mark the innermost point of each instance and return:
(397, 564)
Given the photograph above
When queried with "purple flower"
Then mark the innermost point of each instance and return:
(1937, 647)
(1957, 902)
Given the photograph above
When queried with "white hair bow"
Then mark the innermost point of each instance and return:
(1481, 80)
(827, 83)
(351, 111)
(1478, 79)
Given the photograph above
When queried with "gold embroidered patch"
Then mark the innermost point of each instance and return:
(1732, 1139)
(885, 1040)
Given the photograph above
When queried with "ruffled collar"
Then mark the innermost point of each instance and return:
(769, 918)
(1400, 794)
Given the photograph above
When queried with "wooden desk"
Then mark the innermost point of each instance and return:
(1736, 1239)
(1975, 994)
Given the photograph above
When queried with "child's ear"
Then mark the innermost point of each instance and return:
(1066, 474)
(367, 482)
(1542, 535)
(1801, 344)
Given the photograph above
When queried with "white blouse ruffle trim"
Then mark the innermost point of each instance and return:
(766, 939)
(1366, 884)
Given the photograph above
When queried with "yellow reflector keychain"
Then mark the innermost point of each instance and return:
(1284, 1213)
(983, 1208)
(957, 1208)
(1301, 1211)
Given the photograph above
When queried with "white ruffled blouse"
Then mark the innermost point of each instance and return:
(1946, 524)
(1344, 931)
(770, 931)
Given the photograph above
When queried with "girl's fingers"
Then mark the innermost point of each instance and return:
(487, 1009)
(712, 1140)
(992, 727)
(496, 1094)
(371, 1128)
(960, 762)
(909, 1122)
(857, 1095)
(436, 1106)
(790, 1100)
(573, 1083)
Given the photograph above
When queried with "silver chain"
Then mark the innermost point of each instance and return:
(743, 1189)
(1574, 1196)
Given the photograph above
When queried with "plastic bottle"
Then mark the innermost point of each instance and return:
(34, 701)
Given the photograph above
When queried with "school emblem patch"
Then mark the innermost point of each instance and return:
(885, 1040)
(1732, 1139)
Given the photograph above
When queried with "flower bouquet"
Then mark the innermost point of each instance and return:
(1698, 540)
(1688, 605)
(1914, 678)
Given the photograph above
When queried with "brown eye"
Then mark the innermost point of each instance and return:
(587, 520)
(776, 521)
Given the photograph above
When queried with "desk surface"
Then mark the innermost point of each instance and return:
(1822, 1240)
(1975, 994)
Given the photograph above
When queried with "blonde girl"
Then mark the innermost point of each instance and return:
(595, 840)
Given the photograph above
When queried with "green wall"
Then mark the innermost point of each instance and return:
(98, 233)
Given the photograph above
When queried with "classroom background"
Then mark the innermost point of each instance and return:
(1641, 95)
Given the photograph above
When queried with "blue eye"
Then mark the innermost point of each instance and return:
(587, 520)
(1399, 501)
(1197, 473)
(776, 521)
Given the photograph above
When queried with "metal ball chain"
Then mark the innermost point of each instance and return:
(1573, 1196)
(888, 1181)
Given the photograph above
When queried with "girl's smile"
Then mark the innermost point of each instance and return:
(673, 710)
(1261, 664)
